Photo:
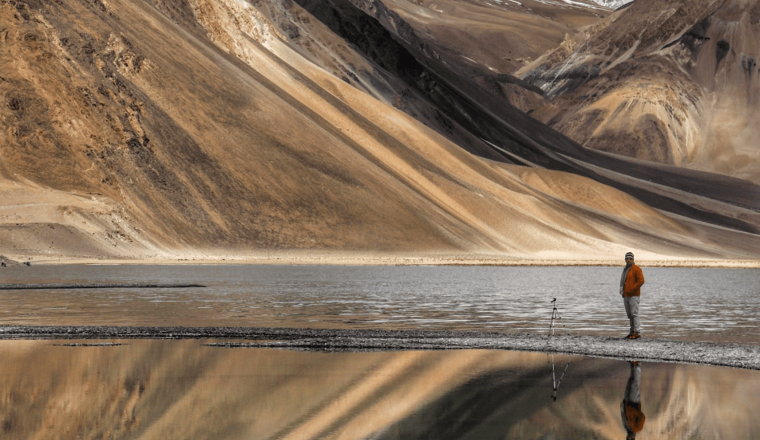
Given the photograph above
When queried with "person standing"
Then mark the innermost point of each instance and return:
(630, 289)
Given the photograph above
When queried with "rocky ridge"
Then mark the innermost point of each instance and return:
(670, 82)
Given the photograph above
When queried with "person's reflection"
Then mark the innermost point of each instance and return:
(630, 408)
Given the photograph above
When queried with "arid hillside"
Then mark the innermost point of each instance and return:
(185, 128)
(485, 40)
(473, 108)
(669, 81)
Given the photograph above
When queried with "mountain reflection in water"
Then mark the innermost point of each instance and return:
(183, 390)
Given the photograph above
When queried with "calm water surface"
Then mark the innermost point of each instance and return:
(185, 390)
(718, 305)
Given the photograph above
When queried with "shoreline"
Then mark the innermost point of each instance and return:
(387, 260)
(650, 350)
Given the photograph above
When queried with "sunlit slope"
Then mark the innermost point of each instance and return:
(471, 111)
(37, 220)
(203, 150)
(197, 127)
(667, 81)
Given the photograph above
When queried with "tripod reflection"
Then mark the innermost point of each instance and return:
(556, 383)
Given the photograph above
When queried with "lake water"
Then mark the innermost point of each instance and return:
(718, 305)
(186, 389)
(158, 389)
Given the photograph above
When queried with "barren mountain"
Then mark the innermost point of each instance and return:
(486, 40)
(669, 81)
(195, 127)
(472, 102)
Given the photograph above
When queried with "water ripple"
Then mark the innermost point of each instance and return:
(691, 304)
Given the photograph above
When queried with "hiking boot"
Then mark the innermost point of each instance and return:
(628, 336)
(635, 336)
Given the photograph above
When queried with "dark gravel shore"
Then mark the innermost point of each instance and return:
(59, 286)
(729, 355)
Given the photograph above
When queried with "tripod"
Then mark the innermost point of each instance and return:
(555, 315)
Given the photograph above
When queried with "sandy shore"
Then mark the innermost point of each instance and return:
(348, 259)
(653, 350)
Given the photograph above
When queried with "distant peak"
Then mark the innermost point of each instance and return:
(612, 4)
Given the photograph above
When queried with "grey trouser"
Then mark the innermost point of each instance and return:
(632, 310)
(632, 390)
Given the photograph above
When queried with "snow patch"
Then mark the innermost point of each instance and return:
(612, 4)
(589, 4)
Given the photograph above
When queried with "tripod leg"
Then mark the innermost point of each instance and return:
(551, 325)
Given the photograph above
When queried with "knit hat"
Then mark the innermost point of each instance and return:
(629, 255)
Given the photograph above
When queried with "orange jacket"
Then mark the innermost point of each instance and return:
(633, 418)
(633, 282)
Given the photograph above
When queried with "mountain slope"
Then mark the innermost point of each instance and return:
(672, 82)
(175, 128)
(470, 106)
